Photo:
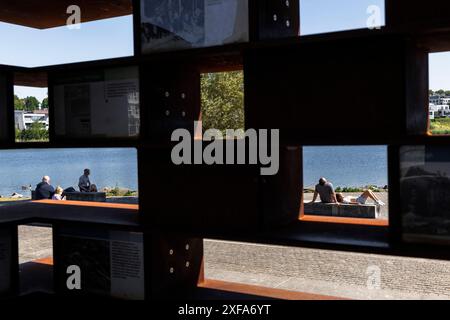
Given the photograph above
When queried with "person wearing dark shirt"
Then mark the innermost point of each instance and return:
(325, 191)
(44, 190)
(84, 183)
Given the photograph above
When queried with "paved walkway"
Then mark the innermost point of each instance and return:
(34, 243)
(324, 272)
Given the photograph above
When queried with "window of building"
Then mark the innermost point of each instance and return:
(357, 175)
(31, 115)
(323, 16)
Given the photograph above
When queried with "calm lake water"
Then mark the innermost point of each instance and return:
(109, 167)
(346, 166)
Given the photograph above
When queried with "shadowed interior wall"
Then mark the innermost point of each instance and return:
(420, 14)
(176, 264)
(3, 107)
(198, 198)
(337, 89)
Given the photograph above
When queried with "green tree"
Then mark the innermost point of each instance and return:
(18, 103)
(44, 103)
(223, 100)
(440, 92)
(31, 103)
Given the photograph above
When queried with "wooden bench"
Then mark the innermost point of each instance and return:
(369, 211)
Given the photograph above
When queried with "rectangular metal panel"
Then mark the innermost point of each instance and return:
(339, 89)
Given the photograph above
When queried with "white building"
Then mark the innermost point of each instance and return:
(438, 111)
(439, 100)
(24, 119)
(435, 99)
(432, 115)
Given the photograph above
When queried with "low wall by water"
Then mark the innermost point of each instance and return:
(342, 210)
(80, 196)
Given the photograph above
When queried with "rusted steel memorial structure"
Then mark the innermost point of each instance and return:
(155, 250)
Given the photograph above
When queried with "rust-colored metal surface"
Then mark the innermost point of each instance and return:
(340, 220)
(71, 211)
(31, 79)
(53, 13)
(47, 261)
(90, 204)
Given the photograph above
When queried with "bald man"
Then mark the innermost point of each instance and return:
(44, 190)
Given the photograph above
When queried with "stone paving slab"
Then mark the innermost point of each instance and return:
(34, 243)
(343, 274)
(325, 272)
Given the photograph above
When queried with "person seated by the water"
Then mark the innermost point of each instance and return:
(44, 190)
(326, 192)
(93, 188)
(362, 199)
(58, 194)
(84, 183)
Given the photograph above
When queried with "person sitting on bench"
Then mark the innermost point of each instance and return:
(362, 199)
(44, 190)
(59, 194)
(326, 192)
(84, 183)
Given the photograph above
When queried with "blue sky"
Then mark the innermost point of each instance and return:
(94, 40)
(114, 38)
(319, 16)
(439, 64)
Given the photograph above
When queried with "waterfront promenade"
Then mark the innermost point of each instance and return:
(325, 272)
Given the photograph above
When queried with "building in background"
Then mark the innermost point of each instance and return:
(24, 119)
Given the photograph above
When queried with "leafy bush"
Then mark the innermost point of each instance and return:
(119, 192)
(36, 132)
(355, 190)
(114, 192)
(129, 193)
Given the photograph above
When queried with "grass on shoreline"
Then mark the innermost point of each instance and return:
(115, 192)
(120, 192)
(440, 126)
(352, 189)
(14, 199)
